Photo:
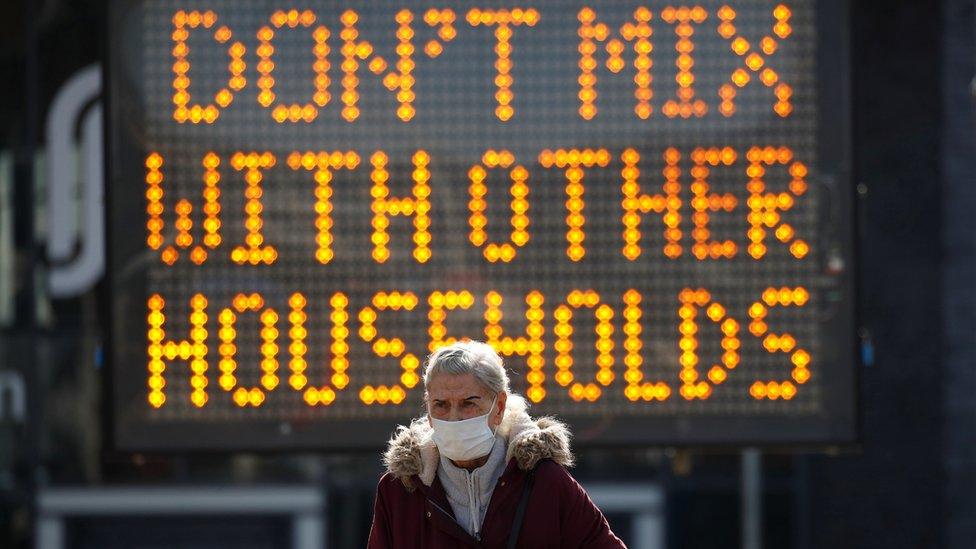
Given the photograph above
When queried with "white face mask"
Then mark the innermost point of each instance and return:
(466, 439)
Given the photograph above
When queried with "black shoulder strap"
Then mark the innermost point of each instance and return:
(520, 510)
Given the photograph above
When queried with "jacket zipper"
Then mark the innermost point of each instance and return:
(477, 536)
(474, 512)
(439, 508)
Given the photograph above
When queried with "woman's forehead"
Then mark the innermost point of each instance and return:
(444, 386)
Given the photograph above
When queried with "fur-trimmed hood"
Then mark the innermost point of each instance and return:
(412, 451)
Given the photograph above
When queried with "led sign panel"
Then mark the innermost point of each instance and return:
(643, 206)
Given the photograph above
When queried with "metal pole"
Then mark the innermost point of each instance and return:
(24, 172)
(801, 502)
(26, 316)
(308, 531)
(751, 499)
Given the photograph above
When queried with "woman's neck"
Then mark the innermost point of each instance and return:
(471, 464)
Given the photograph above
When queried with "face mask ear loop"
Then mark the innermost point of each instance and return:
(499, 423)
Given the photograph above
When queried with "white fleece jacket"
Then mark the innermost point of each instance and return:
(469, 492)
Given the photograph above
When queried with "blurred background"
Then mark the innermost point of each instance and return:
(908, 481)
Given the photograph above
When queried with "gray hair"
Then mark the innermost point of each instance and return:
(468, 357)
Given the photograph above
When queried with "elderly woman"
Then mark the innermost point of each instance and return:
(477, 471)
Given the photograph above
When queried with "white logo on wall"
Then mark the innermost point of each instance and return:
(76, 250)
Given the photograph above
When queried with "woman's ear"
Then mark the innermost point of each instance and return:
(499, 411)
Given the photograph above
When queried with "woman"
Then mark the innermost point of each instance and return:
(458, 477)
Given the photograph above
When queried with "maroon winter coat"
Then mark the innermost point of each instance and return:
(412, 511)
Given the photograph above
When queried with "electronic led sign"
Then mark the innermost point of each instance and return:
(644, 207)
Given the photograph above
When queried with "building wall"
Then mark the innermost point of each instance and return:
(959, 276)
(889, 493)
